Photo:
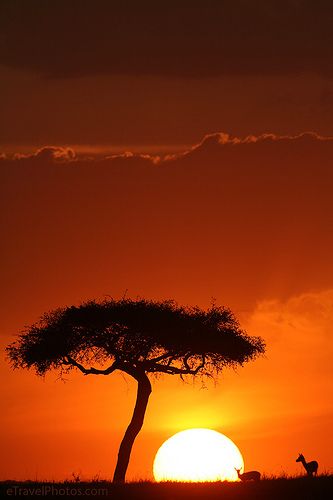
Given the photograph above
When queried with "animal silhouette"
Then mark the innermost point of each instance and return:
(252, 475)
(310, 467)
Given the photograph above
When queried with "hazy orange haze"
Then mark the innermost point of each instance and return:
(245, 221)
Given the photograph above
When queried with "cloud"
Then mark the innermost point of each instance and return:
(310, 314)
(299, 348)
(48, 153)
(218, 142)
(187, 38)
(213, 142)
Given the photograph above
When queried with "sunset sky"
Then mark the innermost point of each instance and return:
(183, 150)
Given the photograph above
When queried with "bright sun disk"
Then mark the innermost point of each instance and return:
(198, 455)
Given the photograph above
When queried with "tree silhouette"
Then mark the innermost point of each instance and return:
(137, 337)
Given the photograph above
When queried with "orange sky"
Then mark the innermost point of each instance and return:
(245, 218)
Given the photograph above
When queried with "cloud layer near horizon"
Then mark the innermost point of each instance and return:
(241, 220)
(175, 38)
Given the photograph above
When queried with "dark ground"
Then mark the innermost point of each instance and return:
(301, 488)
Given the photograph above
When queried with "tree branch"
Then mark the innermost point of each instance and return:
(185, 361)
(174, 370)
(160, 358)
(68, 360)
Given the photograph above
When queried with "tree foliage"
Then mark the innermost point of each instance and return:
(153, 336)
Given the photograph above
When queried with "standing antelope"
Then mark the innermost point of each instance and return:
(310, 467)
(252, 475)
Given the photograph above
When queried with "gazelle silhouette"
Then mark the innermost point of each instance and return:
(310, 467)
(252, 475)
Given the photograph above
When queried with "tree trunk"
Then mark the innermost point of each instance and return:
(144, 390)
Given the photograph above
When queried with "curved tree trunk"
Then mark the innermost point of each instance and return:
(144, 391)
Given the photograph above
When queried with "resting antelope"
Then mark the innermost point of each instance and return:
(252, 475)
(310, 467)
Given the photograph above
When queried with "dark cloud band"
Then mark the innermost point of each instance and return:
(186, 38)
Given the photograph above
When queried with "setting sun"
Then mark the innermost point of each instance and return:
(197, 455)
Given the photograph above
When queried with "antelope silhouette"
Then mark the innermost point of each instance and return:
(310, 467)
(252, 475)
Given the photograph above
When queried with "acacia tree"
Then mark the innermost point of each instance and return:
(138, 337)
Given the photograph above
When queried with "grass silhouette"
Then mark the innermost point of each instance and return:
(270, 488)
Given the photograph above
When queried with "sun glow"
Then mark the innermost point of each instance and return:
(197, 455)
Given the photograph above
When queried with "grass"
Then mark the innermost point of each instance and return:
(284, 488)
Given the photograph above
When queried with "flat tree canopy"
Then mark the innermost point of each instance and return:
(137, 337)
